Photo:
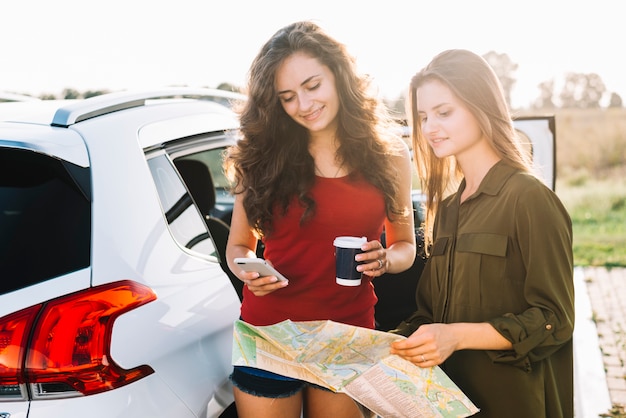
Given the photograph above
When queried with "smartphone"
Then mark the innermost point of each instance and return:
(259, 265)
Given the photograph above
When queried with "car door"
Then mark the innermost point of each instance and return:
(538, 133)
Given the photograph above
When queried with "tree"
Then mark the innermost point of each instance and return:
(616, 100)
(504, 69)
(70, 94)
(546, 92)
(582, 91)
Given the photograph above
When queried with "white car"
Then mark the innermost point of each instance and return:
(113, 299)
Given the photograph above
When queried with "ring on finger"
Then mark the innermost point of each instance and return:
(423, 358)
(380, 263)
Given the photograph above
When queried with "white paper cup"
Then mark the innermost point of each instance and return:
(345, 250)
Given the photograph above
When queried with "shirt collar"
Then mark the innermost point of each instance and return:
(493, 182)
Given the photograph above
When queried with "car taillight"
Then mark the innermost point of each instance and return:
(63, 346)
(14, 333)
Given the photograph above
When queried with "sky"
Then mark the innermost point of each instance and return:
(47, 46)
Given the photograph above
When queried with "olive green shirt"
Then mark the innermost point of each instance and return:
(504, 256)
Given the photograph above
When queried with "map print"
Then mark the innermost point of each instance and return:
(351, 360)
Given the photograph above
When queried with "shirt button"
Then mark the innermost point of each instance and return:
(549, 327)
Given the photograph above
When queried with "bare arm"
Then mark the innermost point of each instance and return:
(400, 234)
(242, 243)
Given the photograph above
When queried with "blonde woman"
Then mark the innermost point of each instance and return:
(496, 298)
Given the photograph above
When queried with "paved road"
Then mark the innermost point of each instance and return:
(599, 340)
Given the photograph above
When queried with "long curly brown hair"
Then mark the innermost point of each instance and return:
(271, 162)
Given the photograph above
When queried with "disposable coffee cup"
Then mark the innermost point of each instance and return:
(345, 250)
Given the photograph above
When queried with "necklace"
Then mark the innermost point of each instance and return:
(317, 169)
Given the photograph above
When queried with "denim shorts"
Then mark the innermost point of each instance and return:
(266, 384)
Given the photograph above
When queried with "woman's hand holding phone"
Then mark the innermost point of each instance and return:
(261, 286)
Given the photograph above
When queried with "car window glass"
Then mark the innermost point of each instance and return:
(45, 219)
(222, 205)
(214, 159)
(184, 221)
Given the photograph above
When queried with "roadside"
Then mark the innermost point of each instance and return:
(599, 340)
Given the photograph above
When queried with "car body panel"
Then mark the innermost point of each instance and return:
(60, 143)
(151, 398)
(114, 102)
(41, 292)
(191, 291)
(159, 132)
(185, 335)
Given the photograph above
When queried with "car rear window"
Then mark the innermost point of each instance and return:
(183, 219)
(45, 218)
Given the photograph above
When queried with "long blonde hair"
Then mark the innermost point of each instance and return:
(473, 81)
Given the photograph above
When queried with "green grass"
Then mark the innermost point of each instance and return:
(598, 210)
(617, 411)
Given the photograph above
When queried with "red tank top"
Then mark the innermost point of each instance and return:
(305, 255)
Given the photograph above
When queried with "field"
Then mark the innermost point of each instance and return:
(591, 171)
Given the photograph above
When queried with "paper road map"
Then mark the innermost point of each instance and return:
(351, 360)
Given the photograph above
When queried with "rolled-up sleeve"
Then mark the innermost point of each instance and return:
(544, 231)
